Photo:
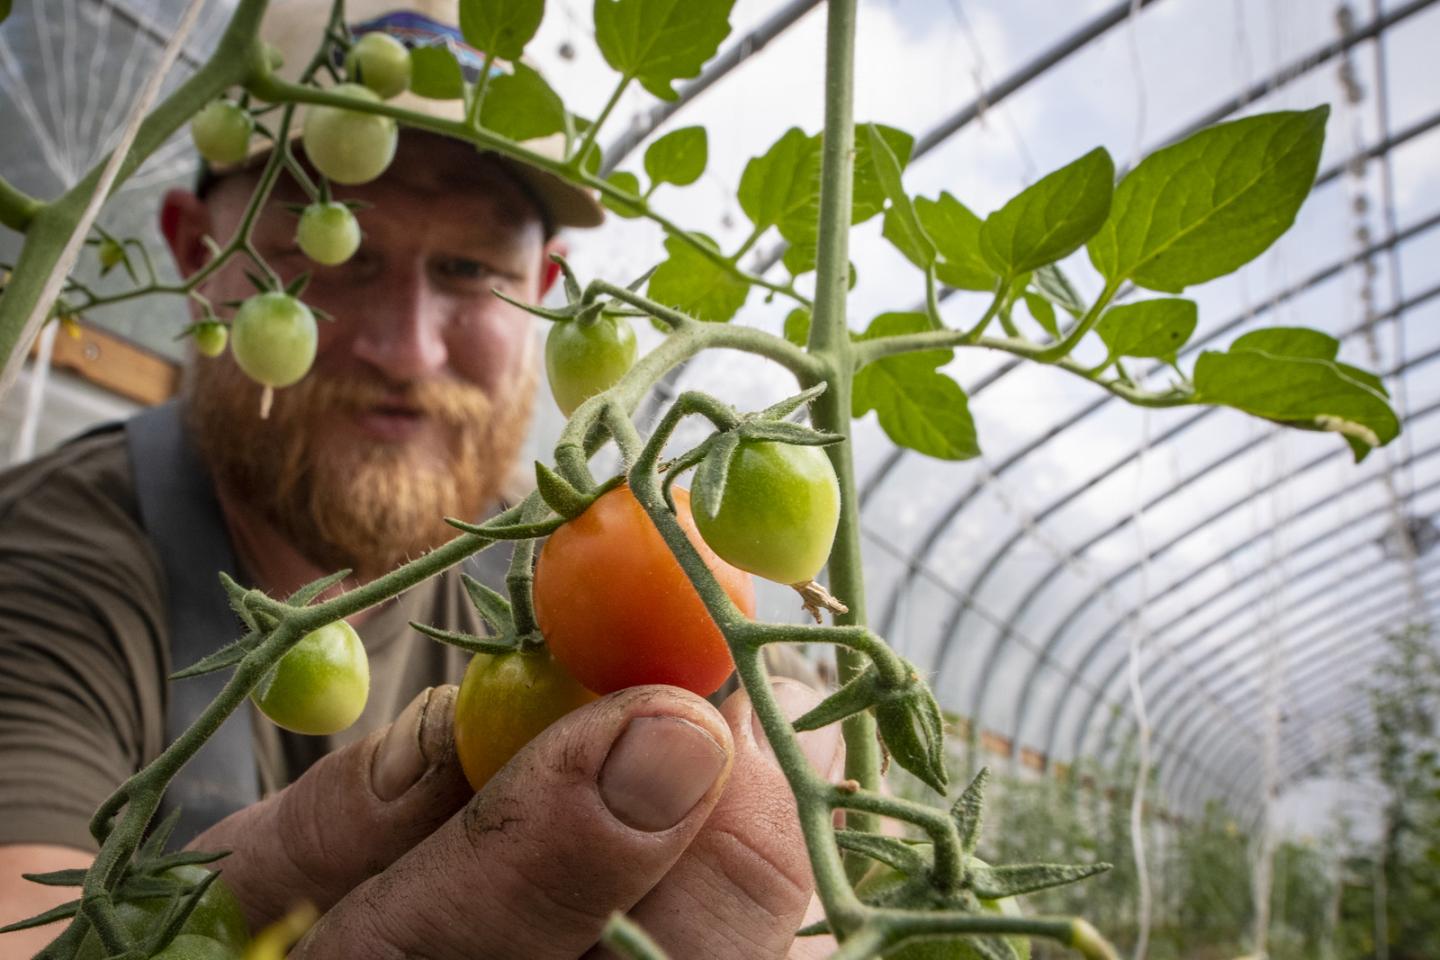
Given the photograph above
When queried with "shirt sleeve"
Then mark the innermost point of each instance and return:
(81, 648)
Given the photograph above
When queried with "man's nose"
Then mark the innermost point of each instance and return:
(402, 334)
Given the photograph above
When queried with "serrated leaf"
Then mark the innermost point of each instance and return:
(468, 642)
(435, 73)
(679, 157)
(902, 227)
(1051, 218)
(995, 883)
(955, 232)
(1150, 328)
(1301, 391)
(918, 407)
(1043, 312)
(860, 693)
(493, 608)
(627, 181)
(660, 41)
(500, 29)
(968, 811)
(890, 851)
(1203, 207)
(709, 487)
(522, 106)
(797, 326)
(694, 284)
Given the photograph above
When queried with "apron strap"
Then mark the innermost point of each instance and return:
(182, 517)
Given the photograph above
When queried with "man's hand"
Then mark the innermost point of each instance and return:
(648, 801)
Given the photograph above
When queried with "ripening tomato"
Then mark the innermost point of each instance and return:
(505, 702)
(617, 610)
(778, 512)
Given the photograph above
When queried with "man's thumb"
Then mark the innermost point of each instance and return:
(349, 817)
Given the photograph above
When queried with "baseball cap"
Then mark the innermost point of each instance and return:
(295, 27)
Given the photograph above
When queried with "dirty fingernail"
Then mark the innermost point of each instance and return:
(416, 739)
(657, 770)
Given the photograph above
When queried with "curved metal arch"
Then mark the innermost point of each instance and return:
(1157, 667)
(1053, 641)
(1210, 697)
(1315, 670)
(1183, 671)
(956, 615)
(1060, 630)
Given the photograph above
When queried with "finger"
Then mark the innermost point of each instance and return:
(350, 816)
(582, 822)
(742, 887)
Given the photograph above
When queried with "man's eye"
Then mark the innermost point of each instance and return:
(460, 268)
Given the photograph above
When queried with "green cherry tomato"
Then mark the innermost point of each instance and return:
(217, 919)
(273, 338)
(321, 685)
(380, 62)
(328, 233)
(210, 338)
(348, 146)
(883, 878)
(582, 360)
(505, 702)
(778, 511)
(222, 132)
(187, 946)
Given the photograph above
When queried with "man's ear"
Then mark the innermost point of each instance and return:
(549, 269)
(185, 222)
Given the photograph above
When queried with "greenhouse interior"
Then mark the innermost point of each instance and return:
(1184, 639)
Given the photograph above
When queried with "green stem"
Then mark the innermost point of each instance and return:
(482, 86)
(17, 208)
(1087, 323)
(577, 159)
(830, 343)
(976, 332)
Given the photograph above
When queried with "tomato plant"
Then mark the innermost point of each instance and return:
(777, 511)
(346, 145)
(328, 233)
(380, 62)
(222, 132)
(274, 338)
(616, 609)
(321, 684)
(210, 338)
(504, 702)
(217, 919)
(884, 880)
(582, 359)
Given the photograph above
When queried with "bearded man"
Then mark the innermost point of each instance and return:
(649, 801)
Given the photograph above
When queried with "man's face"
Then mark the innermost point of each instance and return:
(421, 391)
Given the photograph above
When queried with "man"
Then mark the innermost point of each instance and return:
(649, 801)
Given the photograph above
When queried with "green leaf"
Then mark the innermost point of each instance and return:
(955, 231)
(558, 493)
(1150, 328)
(660, 41)
(968, 811)
(919, 407)
(1052, 284)
(1305, 392)
(628, 182)
(913, 732)
(797, 326)
(1290, 342)
(522, 106)
(493, 608)
(1049, 219)
(780, 183)
(468, 642)
(1043, 312)
(692, 283)
(869, 193)
(500, 29)
(435, 73)
(679, 157)
(1200, 208)
(5, 6)
(902, 226)
(709, 486)
(995, 883)
(861, 693)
